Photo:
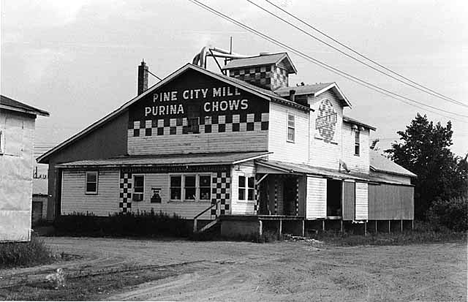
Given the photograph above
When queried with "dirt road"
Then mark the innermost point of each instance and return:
(292, 271)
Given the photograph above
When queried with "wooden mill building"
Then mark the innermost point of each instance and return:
(241, 148)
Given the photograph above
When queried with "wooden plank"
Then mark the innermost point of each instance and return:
(349, 198)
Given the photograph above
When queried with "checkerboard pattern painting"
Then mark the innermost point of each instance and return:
(221, 187)
(125, 203)
(257, 197)
(245, 122)
(276, 196)
(270, 77)
(297, 196)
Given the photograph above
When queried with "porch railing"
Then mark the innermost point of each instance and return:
(195, 219)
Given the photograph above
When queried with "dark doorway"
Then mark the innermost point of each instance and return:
(334, 197)
(289, 196)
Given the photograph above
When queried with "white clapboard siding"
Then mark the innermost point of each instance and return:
(204, 142)
(316, 206)
(241, 207)
(362, 203)
(283, 150)
(353, 162)
(75, 200)
(107, 200)
(325, 154)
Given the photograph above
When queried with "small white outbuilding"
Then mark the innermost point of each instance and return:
(17, 123)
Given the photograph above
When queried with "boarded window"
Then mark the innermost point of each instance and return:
(291, 128)
(138, 187)
(92, 182)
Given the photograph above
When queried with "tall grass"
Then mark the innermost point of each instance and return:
(35, 252)
(423, 232)
(134, 224)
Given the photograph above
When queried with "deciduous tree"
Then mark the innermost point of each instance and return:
(424, 149)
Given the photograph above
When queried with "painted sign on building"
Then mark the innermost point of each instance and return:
(197, 99)
(326, 120)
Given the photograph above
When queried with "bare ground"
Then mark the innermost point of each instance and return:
(242, 271)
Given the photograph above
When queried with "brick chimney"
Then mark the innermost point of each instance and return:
(142, 78)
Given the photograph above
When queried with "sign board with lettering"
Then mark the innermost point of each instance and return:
(193, 94)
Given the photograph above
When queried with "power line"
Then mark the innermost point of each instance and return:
(416, 85)
(154, 75)
(330, 68)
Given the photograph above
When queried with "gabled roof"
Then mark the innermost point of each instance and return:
(315, 90)
(349, 120)
(10, 104)
(191, 159)
(263, 59)
(262, 93)
(380, 163)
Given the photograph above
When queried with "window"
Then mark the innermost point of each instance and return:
(356, 143)
(92, 182)
(291, 128)
(246, 188)
(190, 187)
(176, 187)
(205, 187)
(138, 187)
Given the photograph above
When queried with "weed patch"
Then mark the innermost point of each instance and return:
(34, 252)
(138, 224)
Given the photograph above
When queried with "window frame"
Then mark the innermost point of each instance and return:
(198, 187)
(291, 126)
(357, 142)
(96, 192)
(246, 188)
(134, 176)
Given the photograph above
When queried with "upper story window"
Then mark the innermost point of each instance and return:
(190, 187)
(246, 188)
(92, 179)
(356, 142)
(1, 142)
(291, 128)
(138, 187)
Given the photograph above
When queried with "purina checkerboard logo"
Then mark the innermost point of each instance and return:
(195, 103)
(326, 120)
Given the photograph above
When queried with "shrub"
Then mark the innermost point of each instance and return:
(29, 253)
(452, 213)
(139, 224)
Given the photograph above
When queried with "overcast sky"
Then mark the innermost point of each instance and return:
(78, 59)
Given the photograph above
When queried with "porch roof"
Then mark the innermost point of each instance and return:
(278, 167)
(292, 168)
(199, 159)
